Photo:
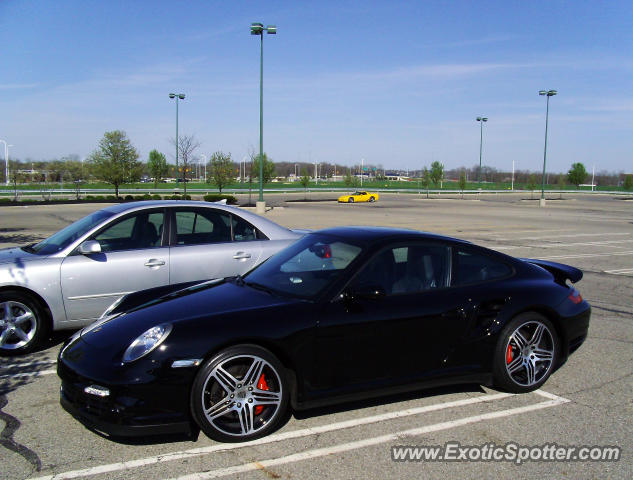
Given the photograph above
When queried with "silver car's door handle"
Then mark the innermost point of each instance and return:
(152, 262)
(241, 256)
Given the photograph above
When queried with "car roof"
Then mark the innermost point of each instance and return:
(258, 221)
(370, 234)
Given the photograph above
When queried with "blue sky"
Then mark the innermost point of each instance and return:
(396, 83)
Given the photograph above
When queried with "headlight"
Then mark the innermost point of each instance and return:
(146, 342)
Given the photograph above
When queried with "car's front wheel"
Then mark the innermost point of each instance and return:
(372, 199)
(22, 323)
(240, 394)
(350, 200)
(526, 353)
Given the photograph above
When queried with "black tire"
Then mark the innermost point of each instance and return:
(350, 200)
(523, 364)
(233, 401)
(372, 199)
(18, 337)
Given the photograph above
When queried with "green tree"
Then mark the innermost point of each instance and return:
(531, 185)
(462, 182)
(157, 166)
(116, 160)
(426, 180)
(577, 174)
(305, 182)
(348, 180)
(437, 173)
(269, 168)
(628, 182)
(562, 181)
(221, 171)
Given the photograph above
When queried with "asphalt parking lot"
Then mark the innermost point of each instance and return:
(587, 402)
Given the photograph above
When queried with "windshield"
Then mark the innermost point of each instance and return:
(305, 268)
(60, 240)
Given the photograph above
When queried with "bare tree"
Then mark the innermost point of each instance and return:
(187, 146)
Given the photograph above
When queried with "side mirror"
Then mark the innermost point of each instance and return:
(366, 292)
(89, 247)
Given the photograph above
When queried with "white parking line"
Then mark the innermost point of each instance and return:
(588, 255)
(564, 236)
(28, 374)
(305, 432)
(621, 271)
(27, 364)
(596, 244)
(368, 442)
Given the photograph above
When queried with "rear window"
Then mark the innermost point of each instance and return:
(475, 267)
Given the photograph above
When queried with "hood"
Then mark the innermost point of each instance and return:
(16, 255)
(213, 301)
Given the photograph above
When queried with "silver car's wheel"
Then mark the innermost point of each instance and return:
(526, 354)
(239, 395)
(21, 323)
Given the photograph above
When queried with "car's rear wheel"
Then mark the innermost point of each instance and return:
(372, 199)
(23, 325)
(240, 394)
(526, 353)
(350, 200)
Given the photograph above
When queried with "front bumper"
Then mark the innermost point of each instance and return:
(158, 404)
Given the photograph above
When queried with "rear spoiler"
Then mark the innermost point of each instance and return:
(560, 271)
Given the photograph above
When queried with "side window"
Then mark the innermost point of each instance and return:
(406, 269)
(140, 231)
(244, 231)
(472, 267)
(196, 227)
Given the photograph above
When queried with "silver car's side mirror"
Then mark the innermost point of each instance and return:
(89, 246)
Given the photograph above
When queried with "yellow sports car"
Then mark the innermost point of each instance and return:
(358, 197)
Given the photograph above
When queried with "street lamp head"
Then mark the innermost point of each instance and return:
(271, 29)
(181, 96)
(172, 95)
(257, 28)
(482, 119)
(551, 93)
(542, 92)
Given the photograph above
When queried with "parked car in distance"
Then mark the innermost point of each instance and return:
(342, 314)
(67, 280)
(358, 196)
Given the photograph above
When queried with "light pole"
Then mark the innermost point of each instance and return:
(258, 29)
(6, 160)
(481, 121)
(177, 96)
(203, 157)
(547, 93)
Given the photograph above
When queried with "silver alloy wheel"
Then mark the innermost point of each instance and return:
(235, 404)
(18, 325)
(530, 353)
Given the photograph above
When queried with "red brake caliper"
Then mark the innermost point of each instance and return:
(509, 355)
(262, 385)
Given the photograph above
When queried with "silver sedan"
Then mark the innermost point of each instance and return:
(69, 279)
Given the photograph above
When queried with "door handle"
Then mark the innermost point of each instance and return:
(152, 262)
(241, 256)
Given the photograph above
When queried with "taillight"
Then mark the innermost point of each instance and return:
(575, 296)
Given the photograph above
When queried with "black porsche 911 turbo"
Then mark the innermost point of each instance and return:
(342, 314)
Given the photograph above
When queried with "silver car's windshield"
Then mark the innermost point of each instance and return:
(60, 240)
